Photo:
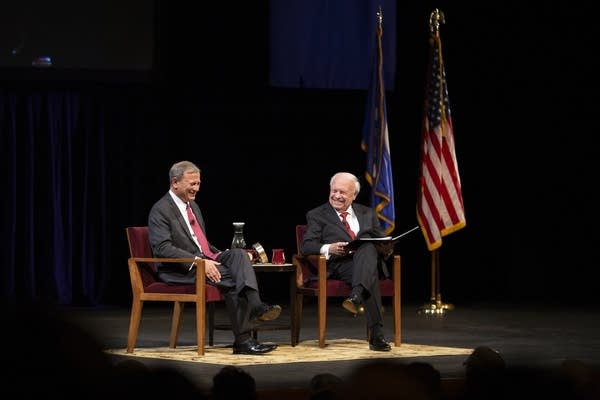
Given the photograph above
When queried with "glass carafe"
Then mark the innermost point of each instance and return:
(238, 241)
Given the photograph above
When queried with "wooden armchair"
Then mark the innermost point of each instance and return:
(311, 280)
(145, 286)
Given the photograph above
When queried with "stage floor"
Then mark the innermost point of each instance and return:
(525, 335)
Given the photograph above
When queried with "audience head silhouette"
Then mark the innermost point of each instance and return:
(484, 374)
(324, 386)
(383, 380)
(233, 383)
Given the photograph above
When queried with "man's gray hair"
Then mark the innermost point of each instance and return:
(346, 175)
(178, 169)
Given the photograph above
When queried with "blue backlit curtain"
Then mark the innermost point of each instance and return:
(54, 198)
(329, 44)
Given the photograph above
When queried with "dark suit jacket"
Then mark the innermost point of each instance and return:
(168, 233)
(325, 226)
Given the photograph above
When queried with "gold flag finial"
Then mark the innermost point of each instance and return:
(379, 16)
(435, 19)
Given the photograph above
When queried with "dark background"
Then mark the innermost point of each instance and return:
(521, 79)
(97, 35)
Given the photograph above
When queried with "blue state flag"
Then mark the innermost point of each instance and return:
(375, 143)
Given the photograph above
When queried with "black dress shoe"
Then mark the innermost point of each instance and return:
(253, 347)
(354, 304)
(378, 343)
(265, 312)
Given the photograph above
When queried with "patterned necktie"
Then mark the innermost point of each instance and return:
(344, 214)
(199, 234)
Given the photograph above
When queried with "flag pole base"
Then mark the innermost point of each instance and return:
(435, 308)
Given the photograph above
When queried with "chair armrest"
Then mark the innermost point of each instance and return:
(157, 260)
(134, 262)
(200, 283)
(200, 264)
(298, 262)
(164, 260)
(308, 266)
(396, 267)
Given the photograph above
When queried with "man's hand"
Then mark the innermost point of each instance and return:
(211, 270)
(385, 249)
(338, 248)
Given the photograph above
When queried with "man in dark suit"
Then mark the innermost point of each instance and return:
(327, 234)
(176, 230)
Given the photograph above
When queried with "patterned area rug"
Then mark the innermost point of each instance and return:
(307, 351)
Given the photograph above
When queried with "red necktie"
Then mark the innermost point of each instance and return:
(199, 234)
(344, 214)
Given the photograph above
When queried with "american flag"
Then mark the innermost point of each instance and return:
(375, 143)
(440, 208)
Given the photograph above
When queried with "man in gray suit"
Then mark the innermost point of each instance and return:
(176, 230)
(327, 234)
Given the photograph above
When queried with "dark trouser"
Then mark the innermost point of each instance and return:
(237, 275)
(361, 268)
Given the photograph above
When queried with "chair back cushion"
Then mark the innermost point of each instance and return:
(307, 272)
(300, 229)
(139, 246)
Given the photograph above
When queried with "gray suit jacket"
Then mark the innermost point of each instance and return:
(168, 233)
(324, 226)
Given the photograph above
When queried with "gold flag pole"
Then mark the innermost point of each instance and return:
(435, 305)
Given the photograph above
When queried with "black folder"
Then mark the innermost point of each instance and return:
(355, 244)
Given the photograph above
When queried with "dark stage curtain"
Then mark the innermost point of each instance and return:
(54, 197)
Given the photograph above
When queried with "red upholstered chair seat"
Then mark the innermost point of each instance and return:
(335, 288)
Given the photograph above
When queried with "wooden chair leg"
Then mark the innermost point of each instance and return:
(396, 308)
(175, 323)
(201, 323)
(134, 324)
(293, 318)
(322, 299)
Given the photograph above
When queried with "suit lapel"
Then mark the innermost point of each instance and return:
(182, 223)
(362, 219)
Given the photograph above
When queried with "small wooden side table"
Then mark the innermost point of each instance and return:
(290, 269)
